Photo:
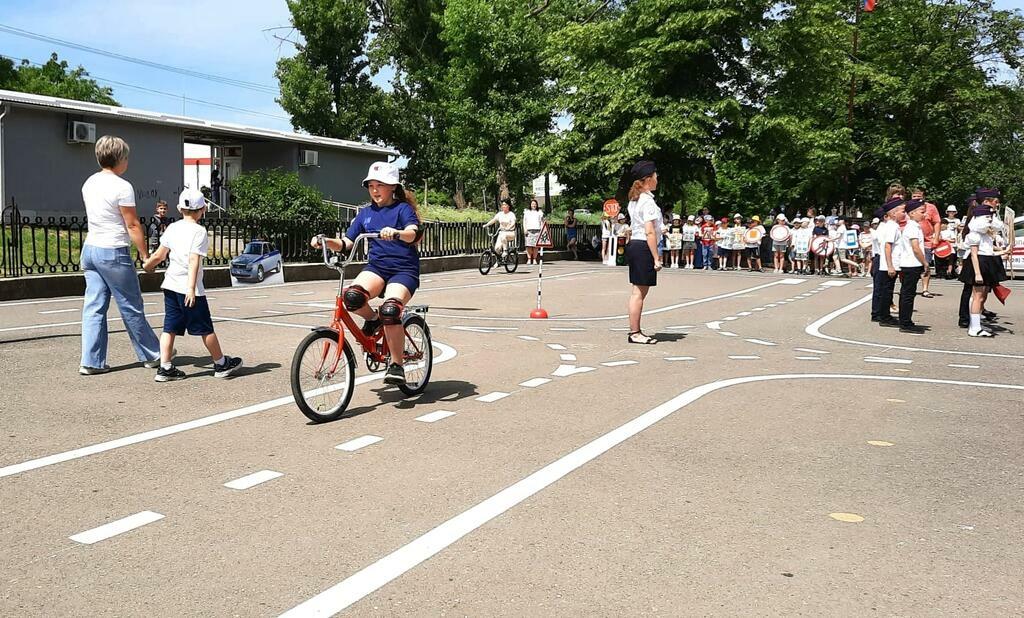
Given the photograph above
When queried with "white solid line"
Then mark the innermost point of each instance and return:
(679, 358)
(492, 397)
(619, 330)
(760, 342)
(58, 324)
(744, 358)
(568, 330)
(272, 312)
(115, 528)
(565, 371)
(229, 308)
(303, 293)
(814, 330)
(392, 566)
(252, 480)
(567, 357)
(358, 443)
(964, 366)
(52, 311)
(891, 361)
(620, 363)
(255, 297)
(727, 333)
(534, 382)
(480, 329)
(811, 350)
(447, 353)
(808, 358)
(682, 327)
(556, 346)
(528, 338)
(433, 417)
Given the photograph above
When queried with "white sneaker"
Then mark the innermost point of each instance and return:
(980, 333)
(95, 371)
(153, 364)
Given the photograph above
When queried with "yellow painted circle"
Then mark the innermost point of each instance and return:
(879, 443)
(851, 518)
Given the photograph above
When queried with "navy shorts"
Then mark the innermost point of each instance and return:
(410, 279)
(178, 318)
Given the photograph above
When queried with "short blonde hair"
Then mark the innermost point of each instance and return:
(110, 151)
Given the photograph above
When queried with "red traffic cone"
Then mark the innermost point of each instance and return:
(539, 314)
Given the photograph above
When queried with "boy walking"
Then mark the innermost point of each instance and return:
(912, 263)
(185, 307)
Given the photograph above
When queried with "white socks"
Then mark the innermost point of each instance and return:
(975, 322)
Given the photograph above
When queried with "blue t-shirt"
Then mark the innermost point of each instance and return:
(820, 231)
(389, 255)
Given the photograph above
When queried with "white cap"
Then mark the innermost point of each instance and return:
(190, 199)
(708, 218)
(737, 216)
(384, 172)
(875, 220)
(781, 217)
(689, 218)
(951, 208)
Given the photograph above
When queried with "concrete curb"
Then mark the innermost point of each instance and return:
(73, 284)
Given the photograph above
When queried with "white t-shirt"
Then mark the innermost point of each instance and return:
(690, 232)
(506, 221)
(984, 242)
(802, 239)
(907, 257)
(183, 238)
(723, 238)
(104, 194)
(532, 219)
(606, 228)
(889, 232)
(948, 235)
(641, 211)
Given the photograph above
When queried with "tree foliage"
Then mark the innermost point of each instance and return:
(55, 79)
(275, 195)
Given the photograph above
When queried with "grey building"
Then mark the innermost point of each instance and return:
(47, 151)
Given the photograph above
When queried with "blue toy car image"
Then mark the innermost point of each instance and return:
(258, 259)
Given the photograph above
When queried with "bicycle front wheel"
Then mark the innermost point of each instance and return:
(486, 262)
(512, 262)
(322, 376)
(418, 357)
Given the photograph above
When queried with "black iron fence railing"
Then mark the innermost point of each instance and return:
(34, 245)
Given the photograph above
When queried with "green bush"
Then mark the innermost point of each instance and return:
(276, 195)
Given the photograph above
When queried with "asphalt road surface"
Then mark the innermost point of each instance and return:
(775, 453)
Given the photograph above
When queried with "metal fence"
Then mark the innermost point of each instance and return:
(33, 245)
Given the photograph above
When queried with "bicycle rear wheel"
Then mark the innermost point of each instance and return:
(487, 259)
(418, 357)
(512, 261)
(322, 376)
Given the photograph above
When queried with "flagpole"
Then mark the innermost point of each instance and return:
(849, 101)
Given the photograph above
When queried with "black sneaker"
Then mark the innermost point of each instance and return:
(169, 375)
(989, 314)
(227, 367)
(889, 322)
(912, 328)
(370, 327)
(963, 324)
(395, 375)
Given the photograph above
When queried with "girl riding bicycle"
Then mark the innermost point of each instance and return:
(393, 265)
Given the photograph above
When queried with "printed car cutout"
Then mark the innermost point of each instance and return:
(257, 260)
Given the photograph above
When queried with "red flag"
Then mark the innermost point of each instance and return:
(869, 5)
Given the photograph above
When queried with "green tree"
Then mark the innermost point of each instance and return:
(55, 78)
(276, 196)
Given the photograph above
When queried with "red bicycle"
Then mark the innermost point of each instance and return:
(324, 366)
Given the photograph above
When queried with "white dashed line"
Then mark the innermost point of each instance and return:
(891, 361)
(535, 382)
(743, 313)
(256, 297)
(433, 417)
(619, 330)
(567, 357)
(680, 358)
(492, 397)
(808, 358)
(727, 333)
(556, 346)
(771, 305)
(303, 293)
(620, 363)
(964, 366)
(758, 309)
(568, 330)
(730, 318)
(528, 338)
(253, 479)
(744, 358)
(714, 325)
(683, 327)
(115, 528)
(565, 371)
(227, 309)
(811, 351)
(760, 342)
(52, 311)
(358, 443)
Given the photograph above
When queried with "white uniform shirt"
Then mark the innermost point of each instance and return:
(889, 233)
(984, 242)
(506, 221)
(907, 257)
(532, 219)
(641, 211)
(184, 238)
(104, 194)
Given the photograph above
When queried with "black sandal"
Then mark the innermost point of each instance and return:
(644, 340)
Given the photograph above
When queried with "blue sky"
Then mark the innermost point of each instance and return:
(222, 37)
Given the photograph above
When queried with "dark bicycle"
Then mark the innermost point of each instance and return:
(491, 258)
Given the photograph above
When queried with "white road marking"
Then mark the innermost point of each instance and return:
(255, 297)
(727, 333)
(619, 330)
(834, 284)
(228, 308)
(319, 316)
(400, 561)
(272, 312)
(528, 338)
(760, 342)
(744, 358)
(492, 397)
(447, 353)
(680, 358)
(758, 309)
(481, 329)
(52, 311)
(535, 382)
(743, 314)
(808, 358)
(568, 330)
(791, 281)
(262, 322)
(682, 327)
(964, 366)
(303, 293)
(620, 363)
(891, 361)
(771, 305)
(788, 300)
(814, 330)
(567, 357)
(253, 479)
(565, 371)
(730, 318)
(556, 346)
(58, 324)
(115, 528)
(433, 417)
(811, 350)
(714, 325)
(360, 442)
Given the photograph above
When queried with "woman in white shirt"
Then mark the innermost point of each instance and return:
(533, 219)
(642, 250)
(982, 268)
(107, 261)
(506, 220)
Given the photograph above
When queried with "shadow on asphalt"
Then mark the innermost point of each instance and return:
(669, 336)
(447, 391)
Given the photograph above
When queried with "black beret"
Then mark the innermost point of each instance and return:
(642, 169)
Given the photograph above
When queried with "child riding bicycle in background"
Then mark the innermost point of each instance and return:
(393, 265)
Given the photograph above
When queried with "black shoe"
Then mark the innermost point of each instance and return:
(370, 327)
(889, 322)
(169, 375)
(227, 367)
(963, 324)
(989, 314)
(912, 328)
(395, 375)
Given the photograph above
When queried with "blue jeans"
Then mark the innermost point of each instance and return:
(111, 272)
(706, 255)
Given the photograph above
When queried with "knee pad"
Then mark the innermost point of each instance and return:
(355, 297)
(391, 311)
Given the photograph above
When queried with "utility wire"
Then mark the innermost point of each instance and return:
(148, 63)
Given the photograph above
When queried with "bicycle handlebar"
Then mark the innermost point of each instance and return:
(351, 253)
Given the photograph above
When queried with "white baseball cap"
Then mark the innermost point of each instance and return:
(781, 217)
(689, 218)
(384, 172)
(190, 199)
(876, 220)
(951, 208)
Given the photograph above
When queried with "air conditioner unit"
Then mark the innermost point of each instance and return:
(82, 133)
(309, 158)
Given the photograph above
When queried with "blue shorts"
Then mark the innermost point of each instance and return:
(410, 279)
(178, 318)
